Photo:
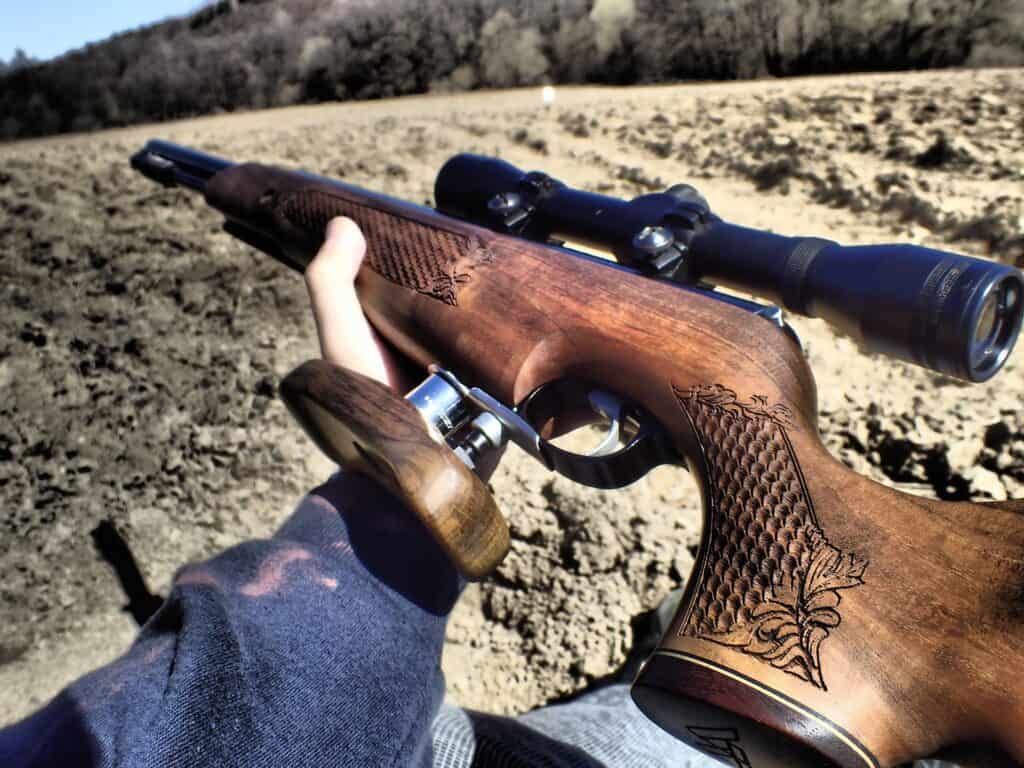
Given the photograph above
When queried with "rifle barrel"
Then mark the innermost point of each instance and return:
(175, 166)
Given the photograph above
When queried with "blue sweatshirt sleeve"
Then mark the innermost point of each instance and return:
(319, 647)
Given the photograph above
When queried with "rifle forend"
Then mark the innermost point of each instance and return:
(829, 620)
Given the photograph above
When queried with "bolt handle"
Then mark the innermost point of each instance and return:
(365, 427)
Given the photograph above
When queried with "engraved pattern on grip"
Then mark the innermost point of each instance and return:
(432, 261)
(769, 583)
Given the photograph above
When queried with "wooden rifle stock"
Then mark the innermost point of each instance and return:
(829, 620)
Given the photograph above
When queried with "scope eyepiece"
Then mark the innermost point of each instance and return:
(954, 314)
(996, 323)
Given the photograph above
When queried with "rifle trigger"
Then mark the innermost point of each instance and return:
(612, 409)
(634, 445)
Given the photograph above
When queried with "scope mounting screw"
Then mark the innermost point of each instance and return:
(504, 202)
(653, 241)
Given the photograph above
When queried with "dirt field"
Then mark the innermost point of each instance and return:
(140, 347)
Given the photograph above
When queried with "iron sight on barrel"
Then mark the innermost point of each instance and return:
(829, 620)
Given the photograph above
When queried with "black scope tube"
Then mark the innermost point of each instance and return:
(953, 314)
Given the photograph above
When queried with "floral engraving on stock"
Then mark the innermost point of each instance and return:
(720, 742)
(770, 580)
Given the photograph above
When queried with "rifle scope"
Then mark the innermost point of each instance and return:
(954, 314)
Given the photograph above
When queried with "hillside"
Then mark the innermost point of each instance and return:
(251, 54)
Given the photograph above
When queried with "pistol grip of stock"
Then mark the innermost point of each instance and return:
(829, 620)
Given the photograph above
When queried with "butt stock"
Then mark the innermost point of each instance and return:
(829, 621)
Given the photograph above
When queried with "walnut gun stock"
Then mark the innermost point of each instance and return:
(829, 620)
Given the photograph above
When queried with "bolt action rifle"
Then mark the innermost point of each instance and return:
(829, 620)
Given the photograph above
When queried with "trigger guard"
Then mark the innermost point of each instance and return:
(648, 448)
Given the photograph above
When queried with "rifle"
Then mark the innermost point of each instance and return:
(829, 620)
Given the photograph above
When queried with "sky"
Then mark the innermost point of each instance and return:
(48, 28)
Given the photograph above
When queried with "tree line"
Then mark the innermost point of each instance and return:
(250, 54)
(19, 60)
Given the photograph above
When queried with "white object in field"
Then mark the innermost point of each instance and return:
(547, 95)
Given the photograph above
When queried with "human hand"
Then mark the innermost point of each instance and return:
(346, 337)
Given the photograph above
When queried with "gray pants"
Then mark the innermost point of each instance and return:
(603, 729)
